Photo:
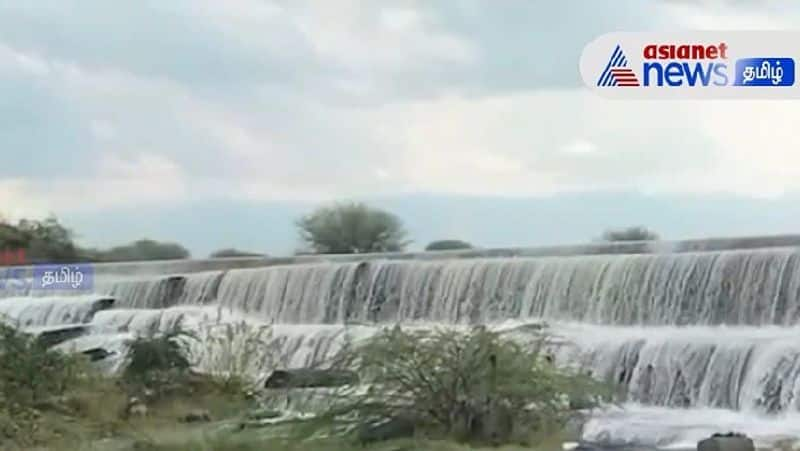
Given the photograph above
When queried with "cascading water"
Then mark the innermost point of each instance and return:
(684, 330)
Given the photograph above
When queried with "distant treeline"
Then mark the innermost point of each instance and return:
(40, 241)
(338, 228)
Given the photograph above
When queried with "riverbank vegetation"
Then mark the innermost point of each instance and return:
(440, 389)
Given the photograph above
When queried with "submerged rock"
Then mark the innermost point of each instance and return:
(726, 442)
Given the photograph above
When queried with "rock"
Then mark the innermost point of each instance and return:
(96, 354)
(310, 378)
(98, 305)
(263, 414)
(786, 444)
(135, 408)
(726, 442)
(386, 429)
(196, 416)
(138, 410)
(573, 428)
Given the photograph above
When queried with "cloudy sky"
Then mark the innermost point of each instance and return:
(215, 123)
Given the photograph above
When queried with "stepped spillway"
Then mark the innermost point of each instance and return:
(681, 329)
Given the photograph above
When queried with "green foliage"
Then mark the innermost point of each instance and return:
(29, 371)
(471, 385)
(144, 249)
(446, 245)
(159, 362)
(352, 228)
(636, 233)
(31, 378)
(230, 252)
(43, 241)
(48, 240)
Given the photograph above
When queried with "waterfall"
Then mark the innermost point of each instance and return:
(679, 330)
(741, 368)
(745, 287)
(48, 311)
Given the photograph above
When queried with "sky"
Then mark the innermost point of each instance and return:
(217, 123)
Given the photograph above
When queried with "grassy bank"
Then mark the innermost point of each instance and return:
(449, 390)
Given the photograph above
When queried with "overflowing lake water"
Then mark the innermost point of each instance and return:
(700, 341)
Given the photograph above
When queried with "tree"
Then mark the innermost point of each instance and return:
(230, 252)
(447, 245)
(144, 249)
(636, 233)
(351, 228)
(42, 241)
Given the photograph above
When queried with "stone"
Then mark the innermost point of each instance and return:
(263, 414)
(197, 416)
(573, 428)
(786, 444)
(135, 408)
(726, 442)
(386, 429)
(96, 354)
(310, 378)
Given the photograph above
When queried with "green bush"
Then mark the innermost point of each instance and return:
(33, 379)
(159, 361)
(471, 385)
(636, 233)
(30, 372)
(447, 245)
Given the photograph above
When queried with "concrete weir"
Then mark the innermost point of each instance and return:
(700, 333)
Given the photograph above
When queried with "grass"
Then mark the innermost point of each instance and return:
(69, 407)
(196, 439)
(99, 429)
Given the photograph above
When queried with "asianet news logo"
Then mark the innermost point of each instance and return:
(640, 62)
(676, 65)
(695, 65)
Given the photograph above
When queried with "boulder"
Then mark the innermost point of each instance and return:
(196, 416)
(726, 442)
(386, 429)
(263, 414)
(96, 354)
(135, 408)
(310, 378)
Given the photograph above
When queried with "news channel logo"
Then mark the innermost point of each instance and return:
(78, 277)
(743, 65)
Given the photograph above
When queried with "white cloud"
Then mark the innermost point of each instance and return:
(579, 147)
(158, 139)
(102, 130)
(724, 15)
